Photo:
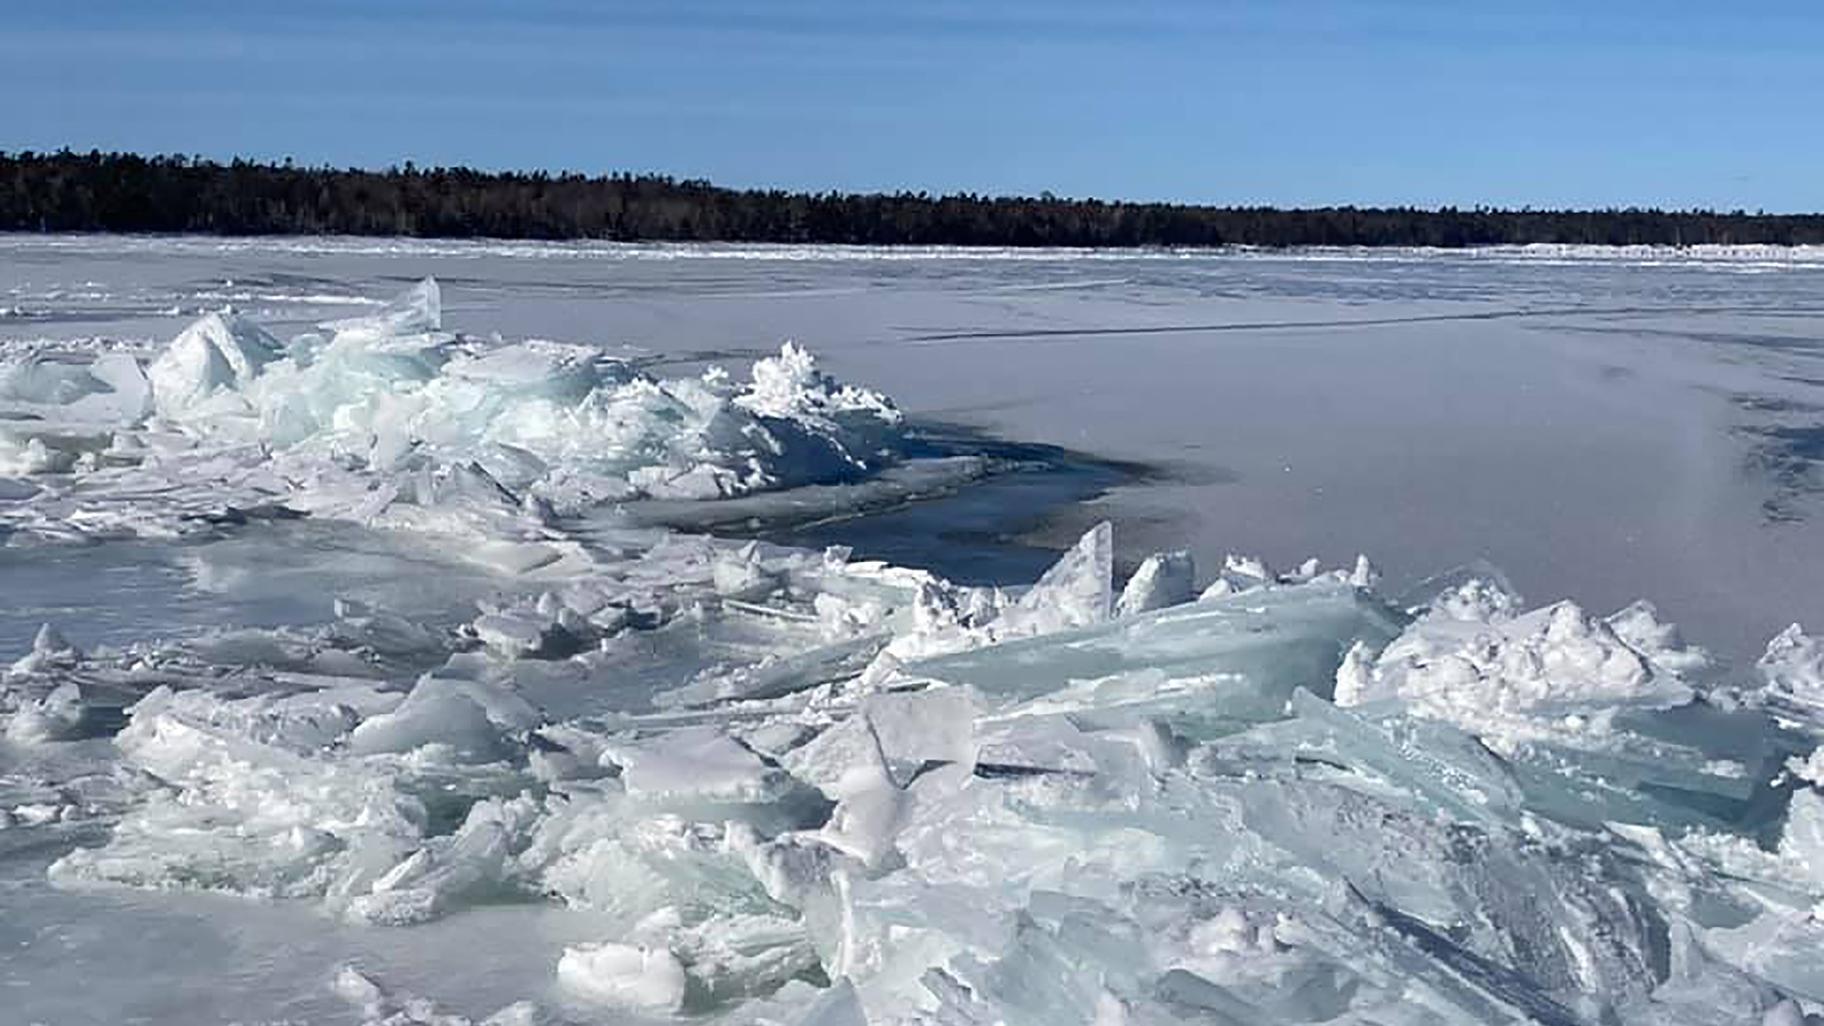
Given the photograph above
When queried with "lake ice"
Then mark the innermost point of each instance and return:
(435, 632)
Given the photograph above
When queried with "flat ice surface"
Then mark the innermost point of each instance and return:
(364, 651)
(1599, 424)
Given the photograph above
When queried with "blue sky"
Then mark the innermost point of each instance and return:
(1548, 103)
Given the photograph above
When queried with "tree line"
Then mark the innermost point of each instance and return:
(125, 192)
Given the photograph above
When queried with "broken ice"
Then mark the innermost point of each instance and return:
(796, 787)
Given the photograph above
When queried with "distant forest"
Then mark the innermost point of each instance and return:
(123, 192)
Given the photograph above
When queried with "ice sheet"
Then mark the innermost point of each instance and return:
(1603, 423)
(497, 762)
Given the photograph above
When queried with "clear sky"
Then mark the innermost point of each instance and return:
(1548, 103)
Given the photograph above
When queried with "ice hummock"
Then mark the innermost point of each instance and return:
(1288, 800)
(389, 420)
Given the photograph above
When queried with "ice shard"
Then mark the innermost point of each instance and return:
(684, 776)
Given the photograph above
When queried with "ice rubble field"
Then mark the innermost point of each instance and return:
(795, 787)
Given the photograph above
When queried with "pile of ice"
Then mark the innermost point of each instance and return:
(387, 419)
(799, 788)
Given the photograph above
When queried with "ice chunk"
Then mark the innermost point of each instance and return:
(623, 976)
(50, 651)
(732, 957)
(1239, 574)
(360, 990)
(1802, 842)
(915, 731)
(790, 387)
(128, 398)
(435, 713)
(1792, 670)
(28, 456)
(415, 311)
(219, 351)
(258, 798)
(1639, 627)
(1077, 591)
(1444, 768)
(781, 383)
(869, 809)
(1164, 579)
(109, 391)
(380, 1007)
(1475, 601)
(467, 865)
(1555, 669)
(37, 380)
(1254, 649)
(58, 716)
(700, 763)
(520, 636)
(619, 855)
(1809, 769)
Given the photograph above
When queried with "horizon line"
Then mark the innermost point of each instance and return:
(408, 166)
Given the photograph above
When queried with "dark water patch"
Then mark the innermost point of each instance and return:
(1185, 472)
(976, 532)
(1789, 457)
(1773, 404)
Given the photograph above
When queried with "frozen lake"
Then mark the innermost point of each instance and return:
(485, 656)
(1601, 425)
